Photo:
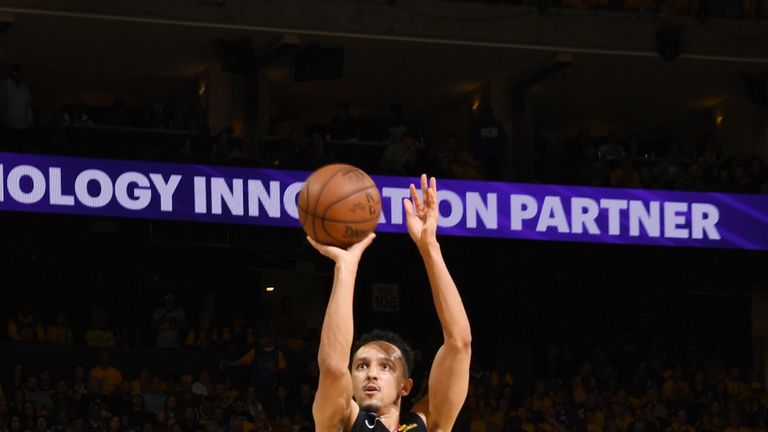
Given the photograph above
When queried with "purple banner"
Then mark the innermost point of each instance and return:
(52, 184)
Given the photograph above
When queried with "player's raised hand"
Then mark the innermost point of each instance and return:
(421, 215)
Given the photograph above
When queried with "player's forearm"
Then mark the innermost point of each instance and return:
(450, 309)
(338, 331)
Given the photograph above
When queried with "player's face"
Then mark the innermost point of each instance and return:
(378, 376)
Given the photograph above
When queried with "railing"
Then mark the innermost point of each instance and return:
(701, 8)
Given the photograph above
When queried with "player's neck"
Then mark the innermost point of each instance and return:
(390, 416)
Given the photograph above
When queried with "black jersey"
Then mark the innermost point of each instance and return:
(368, 422)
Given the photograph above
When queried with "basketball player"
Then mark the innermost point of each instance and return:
(366, 394)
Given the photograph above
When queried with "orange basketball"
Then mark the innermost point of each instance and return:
(339, 205)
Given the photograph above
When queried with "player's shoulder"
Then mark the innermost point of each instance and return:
(412, 422)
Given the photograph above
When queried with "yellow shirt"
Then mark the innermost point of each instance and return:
(59, 335)
(541, 405)
(546, 426)
(100, 338)
(109, 376)
(623, 422)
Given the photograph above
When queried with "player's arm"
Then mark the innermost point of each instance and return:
(333, 408)
(449, 376)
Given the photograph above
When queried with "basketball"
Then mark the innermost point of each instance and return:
(339, 205)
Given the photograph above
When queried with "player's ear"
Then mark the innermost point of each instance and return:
(407, 386)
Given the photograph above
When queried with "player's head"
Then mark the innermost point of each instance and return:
(381, 366)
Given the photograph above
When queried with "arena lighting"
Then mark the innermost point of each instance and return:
(269, 289)
(374, 36)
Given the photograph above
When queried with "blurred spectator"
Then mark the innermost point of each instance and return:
(23, 327)
(159, 117)
(118, 115)
(154, 398)
(32, 393)
(202, 386)
(205, 335)
(264, 362)
(109, 376)
(285, 124)
(62, 398)
(489, 143)
(467, 167)
(400, 156)
(99, 335)
(138, 416)
(396, 127)
(758, 175)
(737, 389)
(234, 335)
(79, 385)
(186, 397)
(343, 126)
(169, 321)
(611, 148)
(625, 176)
(59, 333)
(316, 153)
(225, 148)
(445, 158)
(16, 108)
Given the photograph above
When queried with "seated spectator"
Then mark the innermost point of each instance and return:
(206, 410)
(186, 397)
(114, 425)
(4, 413)
(79, 384)
(225, 148)
(14, 382)
(251, 402)
(343, 126)
(14, 424)
(159, 117)
(611, 148)
(59, 333)
(264, 361)
(399, 157)
(737, 389)
(550, 422)
(32, 393)
(99, 335)
(541, 399)
(707, 152)
(169, 321)
(489, 143)
(143, 381)
(189, 421)
(626, 176)
(169, 415)
(234, 334)
(680, 423)
(588, 170)
(23, 327)
(62, 398)
(758, 174)
(120, 404)
(109, 376)
(205, 335)
(137, 417)
(154, 398)
(316, 153)
(202, 386)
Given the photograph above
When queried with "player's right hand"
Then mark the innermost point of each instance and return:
(351, 255)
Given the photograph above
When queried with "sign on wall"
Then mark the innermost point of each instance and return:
(216, 194)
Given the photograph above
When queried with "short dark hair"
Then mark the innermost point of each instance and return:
(391, 338)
